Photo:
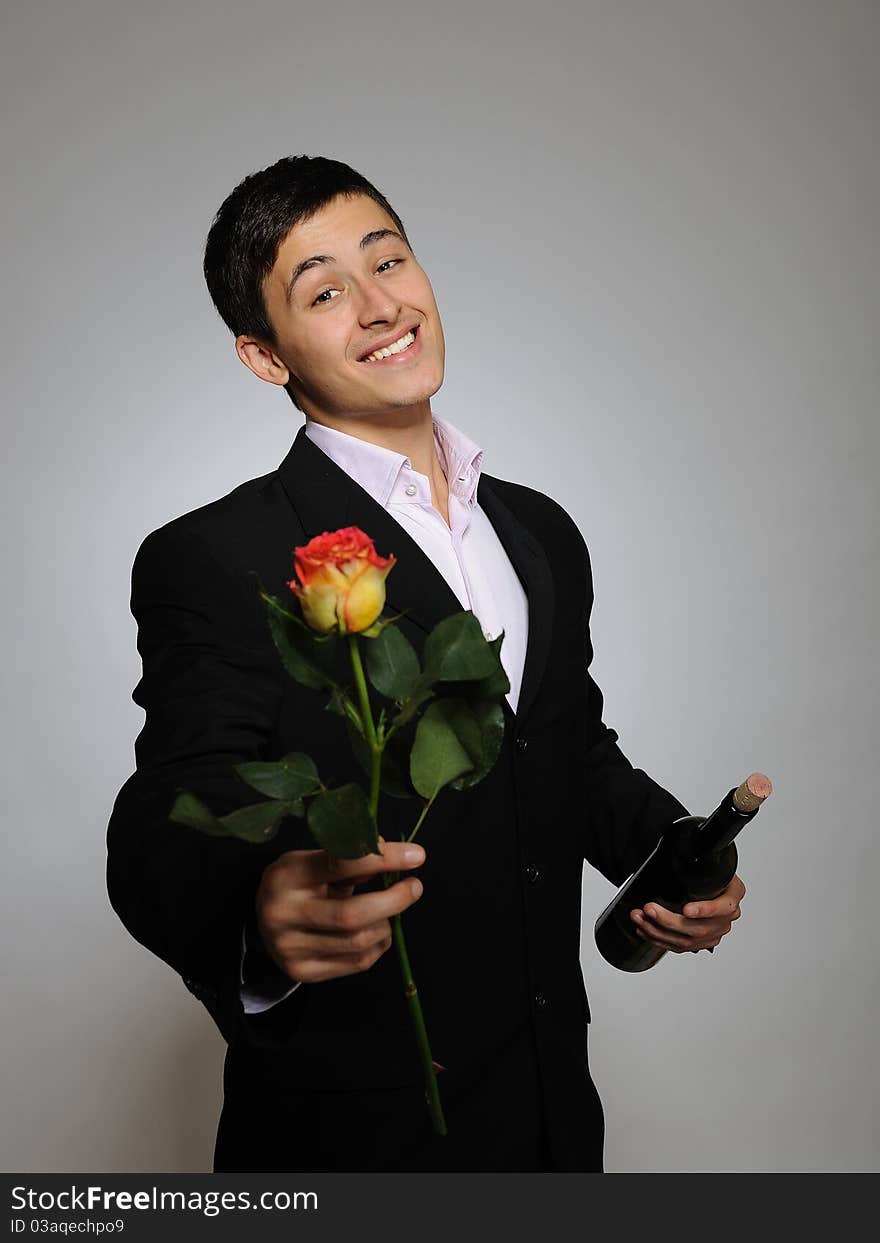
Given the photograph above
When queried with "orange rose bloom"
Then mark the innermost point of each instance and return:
(341, 581)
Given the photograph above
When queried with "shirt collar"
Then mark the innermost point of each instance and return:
(389, 477)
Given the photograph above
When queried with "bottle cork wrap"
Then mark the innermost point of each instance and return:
(751, 794)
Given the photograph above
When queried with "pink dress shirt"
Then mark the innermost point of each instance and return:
(467, 551)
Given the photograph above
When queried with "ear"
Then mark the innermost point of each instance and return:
(261, 360)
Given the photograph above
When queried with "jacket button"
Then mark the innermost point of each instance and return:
(533, 873)
(540, 1000)
(521, 743)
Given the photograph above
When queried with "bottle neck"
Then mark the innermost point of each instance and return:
(719, 829)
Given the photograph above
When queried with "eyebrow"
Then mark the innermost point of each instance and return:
(313, 261)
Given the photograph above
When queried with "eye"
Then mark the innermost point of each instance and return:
(322, 300)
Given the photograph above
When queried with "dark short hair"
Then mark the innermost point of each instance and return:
(254, 220)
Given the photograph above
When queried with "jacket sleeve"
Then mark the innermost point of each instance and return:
(263, 984)
(211, 690)
(626, 810)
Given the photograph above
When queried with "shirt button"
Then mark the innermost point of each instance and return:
(533, 873)
(540, 1000)
(410, 489)
(521, 743)
(461, 478)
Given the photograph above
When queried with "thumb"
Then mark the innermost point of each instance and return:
(344, 889)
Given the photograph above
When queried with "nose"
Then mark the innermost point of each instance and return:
(377, 304)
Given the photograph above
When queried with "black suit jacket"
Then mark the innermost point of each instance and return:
(495, 938)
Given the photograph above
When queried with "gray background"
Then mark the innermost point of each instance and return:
(652, 233)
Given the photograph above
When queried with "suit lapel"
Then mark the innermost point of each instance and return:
(325, 498)
(530, 562)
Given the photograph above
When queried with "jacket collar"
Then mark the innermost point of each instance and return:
(325, 498)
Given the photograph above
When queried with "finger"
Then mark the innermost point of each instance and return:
(731, 897)
(299, 943)
(736, 889)
(360, 910)
(394, 857)
(692, 928)
(308, 868)
(678, 931)
(314, 970)
(713, 908)
(340, 889)
(670, 941)
(664, 933)
(659, 917)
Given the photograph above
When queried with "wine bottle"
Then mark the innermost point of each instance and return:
(694, 859)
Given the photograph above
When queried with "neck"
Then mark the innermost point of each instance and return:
(409, 432)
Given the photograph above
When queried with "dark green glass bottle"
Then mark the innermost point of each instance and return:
(694, 859)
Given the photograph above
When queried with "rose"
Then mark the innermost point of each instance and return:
(341, 581)
(439, 740)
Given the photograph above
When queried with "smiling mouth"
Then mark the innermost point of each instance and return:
(412, 331)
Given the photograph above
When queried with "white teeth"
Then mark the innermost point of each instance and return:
(394, 348)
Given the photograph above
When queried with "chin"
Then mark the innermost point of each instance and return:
(414, 396)
(408, 392)
(422, 387)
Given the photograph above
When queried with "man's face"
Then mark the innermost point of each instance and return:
(330, 313)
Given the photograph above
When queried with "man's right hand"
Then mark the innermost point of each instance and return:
(312, 924)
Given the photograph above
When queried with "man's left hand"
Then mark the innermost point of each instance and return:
(701, 925)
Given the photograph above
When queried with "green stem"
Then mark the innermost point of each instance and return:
(410, 992)
(432, 1092)
(360, 682)
(425, 810)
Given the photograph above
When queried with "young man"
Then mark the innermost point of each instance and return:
(312, 271)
